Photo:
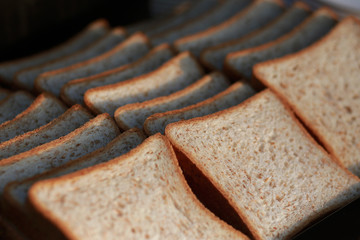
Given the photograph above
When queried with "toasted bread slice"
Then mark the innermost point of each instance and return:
(134, 115)
(316, 26)
(232, 96)
(142, 194)
(90, 34)
(213, 57)
(26, 77)
(251, 18)
(174, 75)
(126, 52)
(72, 119)
(43, 109)
(14, 104)
(214, 16)
(92, 135)
(15, 193)
(73, 91)
(261, 159)
(4, 93)
(321, 84)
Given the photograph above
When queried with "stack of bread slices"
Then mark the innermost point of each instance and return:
(232, 119)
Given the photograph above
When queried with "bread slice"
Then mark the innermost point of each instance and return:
(232, 96)
(140, 195)
(4, 93)
(14, 104)
(316, 26)
(15, 194)
(126, 52)
(214, 16)
(251, 18)
(73, 91)
(43, 109)
(174, 75)
(72, 119)
(321, 85)
(134, 115)
(92, 135)
(213, 57)
(26, 77)
(261, 159)
(90, 34)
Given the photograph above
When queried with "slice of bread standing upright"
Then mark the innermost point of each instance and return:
(14, 104)
(321, 84)
(4, 93)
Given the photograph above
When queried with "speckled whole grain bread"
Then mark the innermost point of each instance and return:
(90, 34)
(257, 15)
(14, 104)
(270, 170)
(140, 195)
(126, 52)
(73, 91)
(44, 108)
(175, 74)
(321, 84)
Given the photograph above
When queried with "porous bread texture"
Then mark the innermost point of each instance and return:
(257, 15)
(4, 93)
(223, 11)
(72, 119)
(134, 115)
(213, 57)
(311, 30)
(26, 77)
(91, 33)
(73, 91)
(43, 109)
(232, 96)
(94, 134)
(14, 104)
(142, 194)
(125, 52)
(277, 178)
(321, 84)
(175, 74)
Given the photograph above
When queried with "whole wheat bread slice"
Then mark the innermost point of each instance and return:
(14, 104)
(126, 52)
(174, 75)
(142, 194)
(213, 57)
(94, 134)
(4, 93)
(72, 119)
(232, 96)
(134, 115)
(90, 34)
(214, 16)
(257, 15)
(316, 26)
(265, 164)
(321, 84)
(26, 77)
(43, 109)
(73, 91)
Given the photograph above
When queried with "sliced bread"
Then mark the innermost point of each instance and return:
(26, 77)
(270, 170)
(44, 108)
(251, 18)
(4, 93)
(174, 75)
(14, 104)
(232, 96)
(213, 57)
(321, 85)
(90, 34)
(72, 119)
(134, 115)
(126, 52)
(73, 91)
(140, 195)
(316, 26)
